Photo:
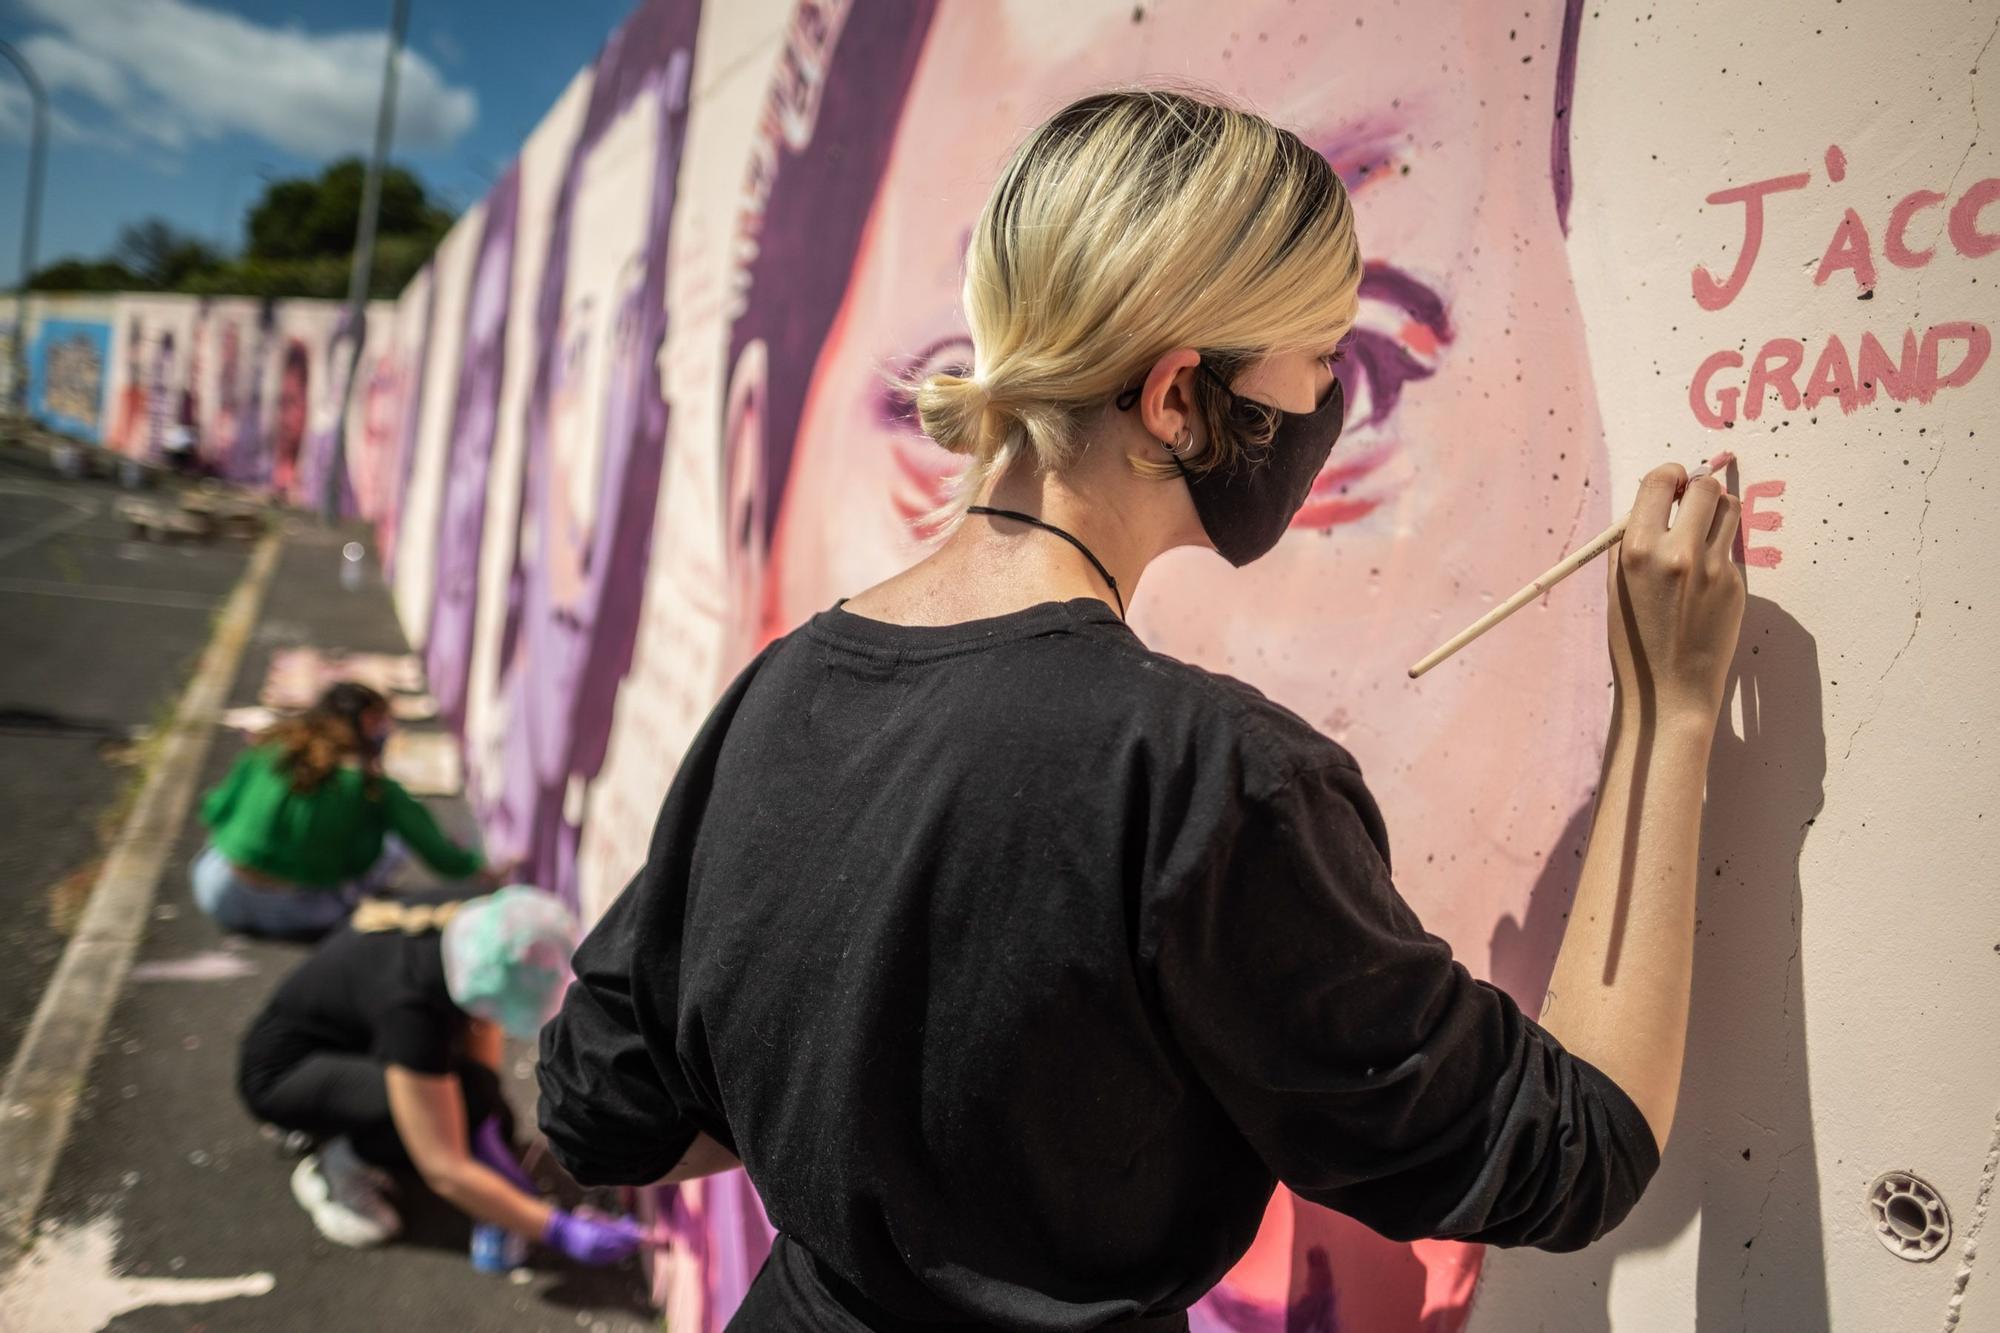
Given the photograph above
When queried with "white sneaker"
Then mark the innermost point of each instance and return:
(343, 1196)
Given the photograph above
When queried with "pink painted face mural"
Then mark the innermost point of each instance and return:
(188, 412)
(249, 459)
(371, 464)
(315, 484)
(127, 433)
(413, 359)
(218, 440)
(1471, 458)
(290, 427)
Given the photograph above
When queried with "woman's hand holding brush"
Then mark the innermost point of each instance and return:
(1676, 597)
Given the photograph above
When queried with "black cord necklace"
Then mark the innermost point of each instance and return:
(1032, 521)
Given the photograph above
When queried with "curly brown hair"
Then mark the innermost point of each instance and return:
(324, 737)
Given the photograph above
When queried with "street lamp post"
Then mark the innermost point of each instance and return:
(38, 143)
(364, 255)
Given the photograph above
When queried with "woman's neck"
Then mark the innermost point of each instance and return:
(991, 566)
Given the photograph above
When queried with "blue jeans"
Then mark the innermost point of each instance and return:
(237, 904)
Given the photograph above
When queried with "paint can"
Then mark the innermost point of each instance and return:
(496, 1249)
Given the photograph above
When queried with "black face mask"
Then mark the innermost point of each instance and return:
(1246, 507)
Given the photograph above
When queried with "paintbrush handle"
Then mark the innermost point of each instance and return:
(1567, 566)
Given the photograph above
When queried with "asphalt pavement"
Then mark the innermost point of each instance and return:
(167, 1187)
(97, 635)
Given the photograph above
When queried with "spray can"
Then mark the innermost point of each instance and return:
(496, 1249)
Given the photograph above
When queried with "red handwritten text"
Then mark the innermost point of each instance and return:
(1759, 519)
(1947, 355)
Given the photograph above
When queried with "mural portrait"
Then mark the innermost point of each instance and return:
(288, 426)
(218, 436)
(335, 341)
(799, 178)
(468, 452)
(1462, 380)
(187, 411)
(66, 375)
(128, 415)
(822, 144)
(250, 455)
(596, 425)
(394, 413)
(162, 385)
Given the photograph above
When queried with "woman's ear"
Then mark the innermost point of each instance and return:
(1166, 399)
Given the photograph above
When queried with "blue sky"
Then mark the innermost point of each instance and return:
(180, 107)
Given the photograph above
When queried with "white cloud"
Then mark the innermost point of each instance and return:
(62, 65)
(173, 71)
(17, 116)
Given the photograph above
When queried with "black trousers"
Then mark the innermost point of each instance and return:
(328, 1095)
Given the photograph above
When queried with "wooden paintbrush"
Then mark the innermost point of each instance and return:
(1567, 566)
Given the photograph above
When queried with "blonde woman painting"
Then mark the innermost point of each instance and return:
(1018, 963)
(1471, 457)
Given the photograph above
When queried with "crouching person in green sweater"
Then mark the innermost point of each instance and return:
(299, 823)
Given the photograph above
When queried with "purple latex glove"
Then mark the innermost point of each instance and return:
(592, 1240)
(489, 1145)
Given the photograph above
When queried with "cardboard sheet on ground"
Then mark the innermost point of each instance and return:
(298, 676)
(425, 762)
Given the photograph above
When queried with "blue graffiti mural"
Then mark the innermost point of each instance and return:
(66, 375)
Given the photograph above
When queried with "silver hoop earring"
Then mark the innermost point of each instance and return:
(1182, 442)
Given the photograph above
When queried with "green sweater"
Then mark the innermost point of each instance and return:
(325, 837)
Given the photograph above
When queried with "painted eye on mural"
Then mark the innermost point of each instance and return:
(1364, 157)
(1397, 341)
(895, 404)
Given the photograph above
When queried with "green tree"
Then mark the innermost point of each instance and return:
(162, 255)
(304, 219)
(85, 275)
(277, 226)
(298, 241)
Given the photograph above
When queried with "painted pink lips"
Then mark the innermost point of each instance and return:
(1330, 503)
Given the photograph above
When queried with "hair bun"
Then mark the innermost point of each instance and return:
(956, 411)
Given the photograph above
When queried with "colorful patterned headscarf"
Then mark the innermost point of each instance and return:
(506, 957)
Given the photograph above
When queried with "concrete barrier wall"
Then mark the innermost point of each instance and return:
(631, 424)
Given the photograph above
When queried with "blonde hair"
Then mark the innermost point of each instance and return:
(1130, 223)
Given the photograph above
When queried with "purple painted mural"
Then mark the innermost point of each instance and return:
(475, 416)
(638, 418)
(596, 439)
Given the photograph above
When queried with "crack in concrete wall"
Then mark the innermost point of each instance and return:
(1981, 1203)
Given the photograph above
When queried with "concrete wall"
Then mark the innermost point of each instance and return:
(630, 425)
(1850, 937)
(258, 383)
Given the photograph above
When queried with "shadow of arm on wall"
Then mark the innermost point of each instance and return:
(1742, 1158)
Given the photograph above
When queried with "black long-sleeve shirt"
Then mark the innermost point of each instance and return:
(1018, 963)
